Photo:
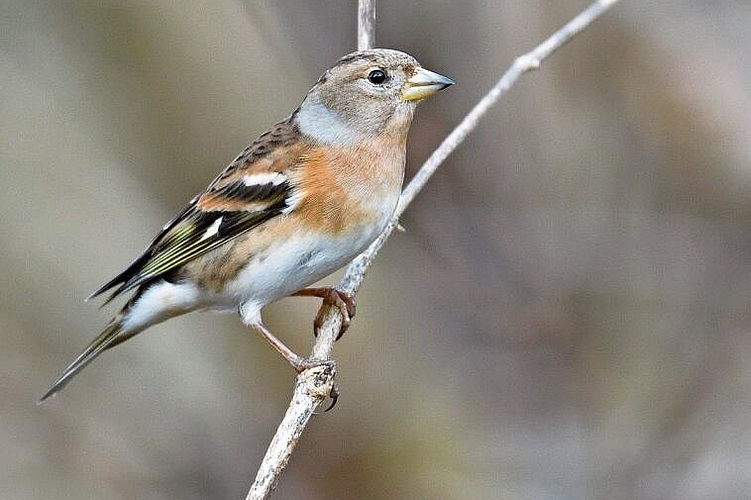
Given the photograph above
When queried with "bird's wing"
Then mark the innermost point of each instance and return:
(254, 188)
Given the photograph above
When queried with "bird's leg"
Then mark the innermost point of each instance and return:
(297, 362)
(330, 295)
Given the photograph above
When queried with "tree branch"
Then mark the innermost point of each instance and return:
(312, 386)
(366, 24)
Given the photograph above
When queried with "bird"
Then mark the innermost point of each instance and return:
(298, 203)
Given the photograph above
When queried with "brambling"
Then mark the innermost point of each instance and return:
(297, 204)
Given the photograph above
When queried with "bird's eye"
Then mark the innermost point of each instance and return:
(377, 76)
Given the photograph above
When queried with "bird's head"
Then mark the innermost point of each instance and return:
(367, 93)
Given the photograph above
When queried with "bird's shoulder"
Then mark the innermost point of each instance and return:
(259, 173)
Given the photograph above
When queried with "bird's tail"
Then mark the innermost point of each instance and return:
(106, 339)
(149, 306)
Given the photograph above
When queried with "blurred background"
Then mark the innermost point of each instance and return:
(566, 317)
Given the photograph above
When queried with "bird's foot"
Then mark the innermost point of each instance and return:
(331, 296)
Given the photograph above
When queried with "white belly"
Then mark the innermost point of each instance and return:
(290, 265)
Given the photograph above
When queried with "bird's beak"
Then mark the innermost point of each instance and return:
(424, 84)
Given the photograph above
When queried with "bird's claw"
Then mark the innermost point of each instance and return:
(344, 302)
(319, 378)
(331, 296)
(334, 395)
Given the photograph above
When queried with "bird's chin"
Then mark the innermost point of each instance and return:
(403, 114)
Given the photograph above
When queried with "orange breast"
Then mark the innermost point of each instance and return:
(345, 187)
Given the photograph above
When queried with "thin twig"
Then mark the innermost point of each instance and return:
(313, 384)
(311, 389)
(366, 24)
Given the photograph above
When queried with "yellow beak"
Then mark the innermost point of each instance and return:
(424, 84)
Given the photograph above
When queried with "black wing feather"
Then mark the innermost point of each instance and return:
(186, 237)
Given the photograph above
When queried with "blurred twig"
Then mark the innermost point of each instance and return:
(312, 386)
(366, 22)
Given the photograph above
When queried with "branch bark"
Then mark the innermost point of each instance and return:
(312, 386)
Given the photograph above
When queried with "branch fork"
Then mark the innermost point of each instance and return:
(313, 385)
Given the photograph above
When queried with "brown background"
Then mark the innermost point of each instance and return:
(567, 315)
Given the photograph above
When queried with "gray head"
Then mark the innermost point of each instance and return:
(367, 93)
